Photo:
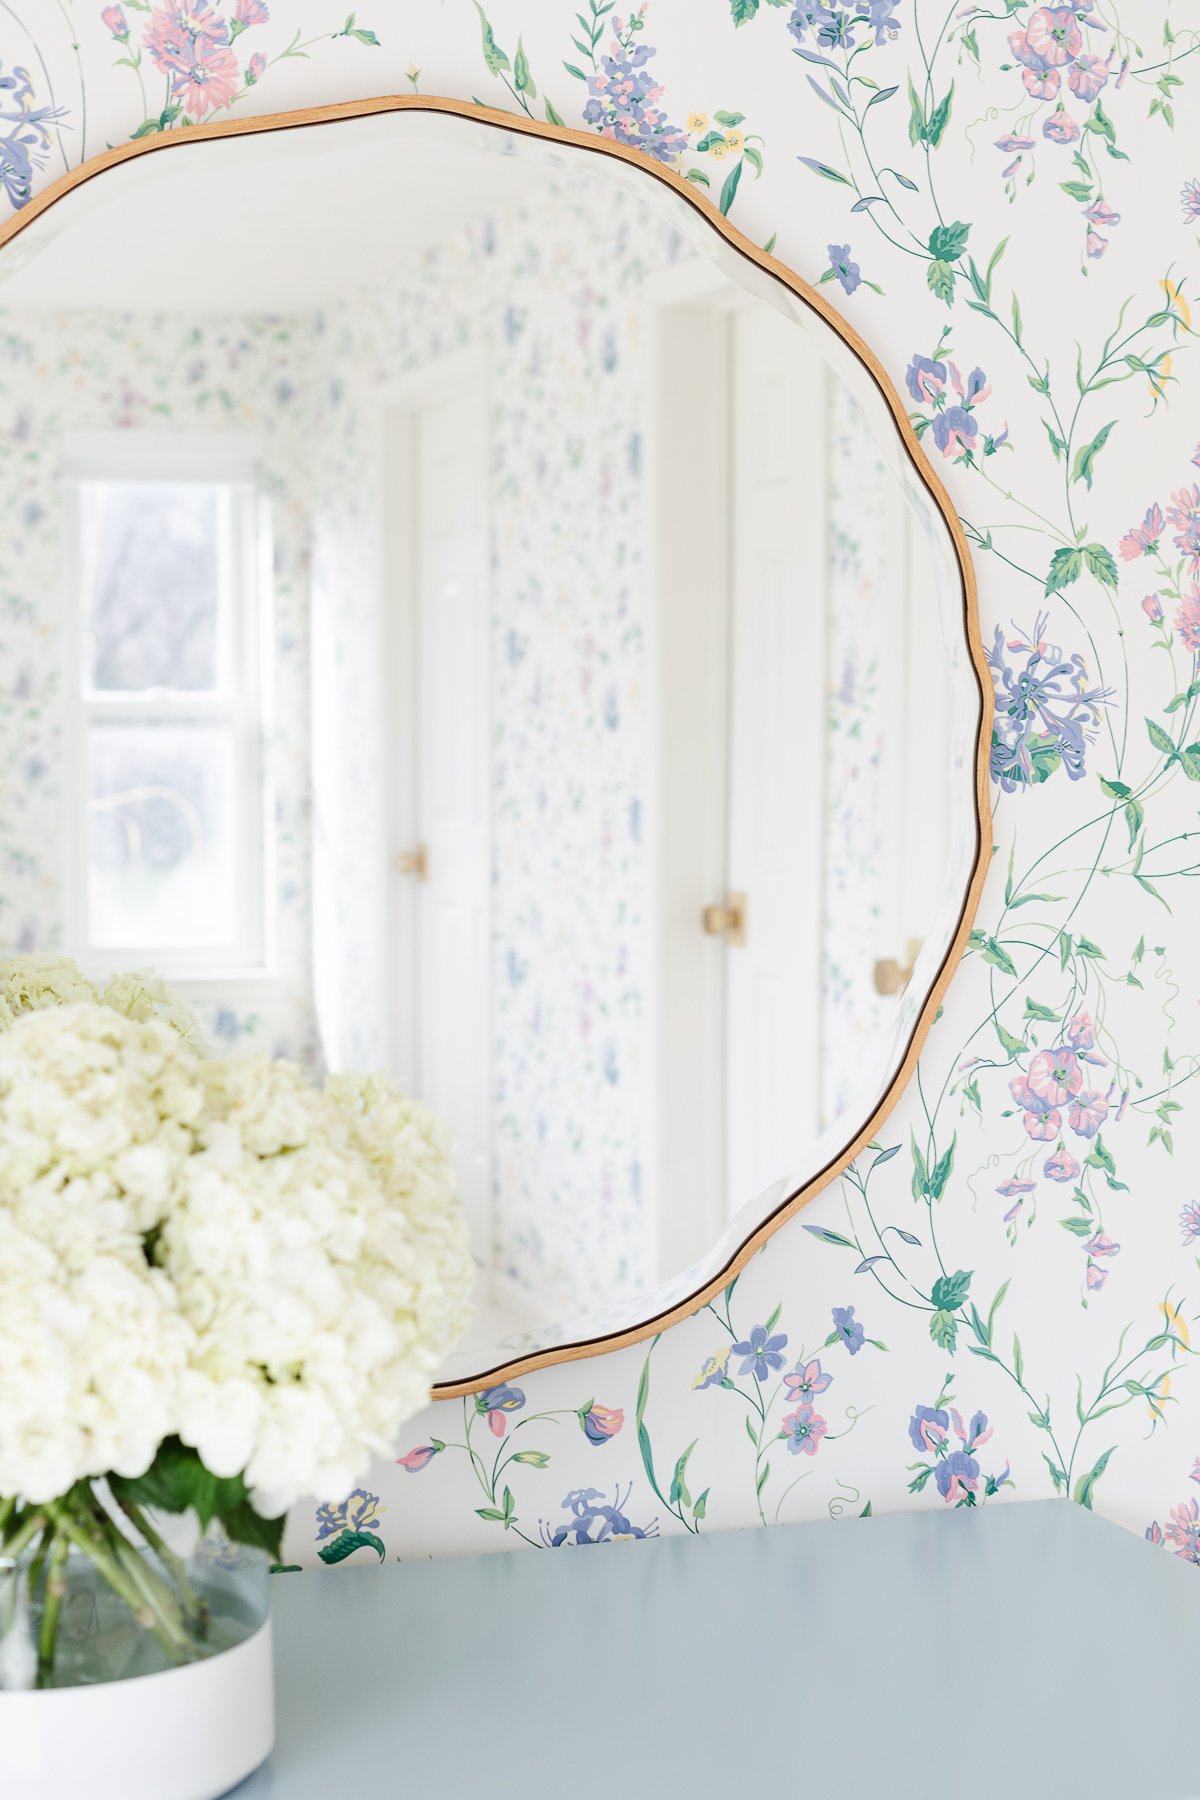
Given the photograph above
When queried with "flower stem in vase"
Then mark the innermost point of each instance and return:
(193, 1606)
(56, 1587)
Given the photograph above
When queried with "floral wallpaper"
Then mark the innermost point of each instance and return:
(997, 1302)
(569, 699)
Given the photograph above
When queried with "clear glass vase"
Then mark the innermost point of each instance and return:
(163, 1598)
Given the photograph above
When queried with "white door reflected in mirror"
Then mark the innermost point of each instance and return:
(510, 649)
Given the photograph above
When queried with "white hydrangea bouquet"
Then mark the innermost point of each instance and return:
(221, 1287)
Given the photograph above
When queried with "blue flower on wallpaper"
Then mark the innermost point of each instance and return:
(832, 26)
(762, 1353)
(495, 1403)
(1046, 712)
(847, 272)
(359, 1511)
(26, 137)
(596, 1520)
(623, 103)
(846, 1326)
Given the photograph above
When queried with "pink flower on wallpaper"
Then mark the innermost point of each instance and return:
(1101, 213)
(1142, 540)
(418, 1459)
(178, 29)
(209, 82)
(255, 68)
(1184, 1530)
(1187, 621)
(1184, 514)
(1060, 127)
(1088, 1113)
(1042, 84)
(1060, 1166)
(1081, 1031)
(250, 12)
(1152, 606)
(1052, 36)
(1055, 1076)
(1095, 1277)
(1088, 76)
(1100, 1245)
(1096, 245)
(118, 24)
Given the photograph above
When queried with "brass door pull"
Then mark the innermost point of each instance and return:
(728, 921)
(413, 862)
(892, 977)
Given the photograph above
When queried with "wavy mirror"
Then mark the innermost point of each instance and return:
(469, 613)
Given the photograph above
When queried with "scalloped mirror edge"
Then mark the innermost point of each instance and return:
(616, 1339)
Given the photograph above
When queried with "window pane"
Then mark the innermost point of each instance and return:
(154, 556)
(161, 836)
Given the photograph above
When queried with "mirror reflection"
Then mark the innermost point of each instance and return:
(462, 618)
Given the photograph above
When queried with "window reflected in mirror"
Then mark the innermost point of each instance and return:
(497, 637)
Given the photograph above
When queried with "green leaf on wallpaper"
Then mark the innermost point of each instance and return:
(1080, 1228)
(1014, 1046)
(572, 70)
(1066, 944)
(1162, 740)
(679, 1490)
(1135, 818)
(940, 277)
(761, 1483)
(939, 118)
(750, 1433)
(996, 954)
(522, 79)
(946, 242)
(1066, 566)
(351, 30)
(728, 118)
(552, 117)
(920, 1178)
(1018, 1360)
(1056, 443)
(916, 116)
(940, 1173)
(994, 1308)
(824, 170)
(730, 187)
(347, 1542)
(773, 1321)
(753, 156)
(1056, 1474)
(943, 1329)
(493, 55)
(701, 1506)
(1086, 458)
(1035, 1010)
(1085, 1487)
(699, 177)
(706, 143)
(742, 11)
(950, 1291)
(1085, 947)
(1078, 190)
(1189, 693)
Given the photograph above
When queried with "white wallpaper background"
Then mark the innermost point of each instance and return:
(1017, 188)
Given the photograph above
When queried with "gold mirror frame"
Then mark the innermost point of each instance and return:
(600, 146)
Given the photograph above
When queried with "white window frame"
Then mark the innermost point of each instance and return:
(230, 461)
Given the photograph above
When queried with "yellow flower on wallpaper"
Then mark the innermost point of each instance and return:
(718, 152)
(735, 142)
(697, 122)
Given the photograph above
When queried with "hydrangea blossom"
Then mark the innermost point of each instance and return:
(214, 1250)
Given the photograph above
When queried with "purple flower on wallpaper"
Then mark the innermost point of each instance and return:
(832, 26)
(954, 430)
(1088, 1113)
(847, 1328)
(1189, 1222)
(622, 104)
(1099, 1244)
(357, 1512)
(957, 1478)
(418, 1459)
(928, 1427)
(847, 272)
(23, 147)
(595, 1519)
(1088, 75)
(1187, 621)
(1101, 213)
(925, 380)
(1046, 714)
(761, 1353)
(804, 1430)
(1190, 200)
(600, 1423)
(496, 1403)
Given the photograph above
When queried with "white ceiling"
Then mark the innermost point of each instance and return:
(277, 223)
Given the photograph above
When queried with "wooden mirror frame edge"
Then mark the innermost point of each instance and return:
(598, 145)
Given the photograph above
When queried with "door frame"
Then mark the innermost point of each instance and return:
(397, 404)
(688, 307)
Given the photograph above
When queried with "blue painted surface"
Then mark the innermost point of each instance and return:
(1029, 1651)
